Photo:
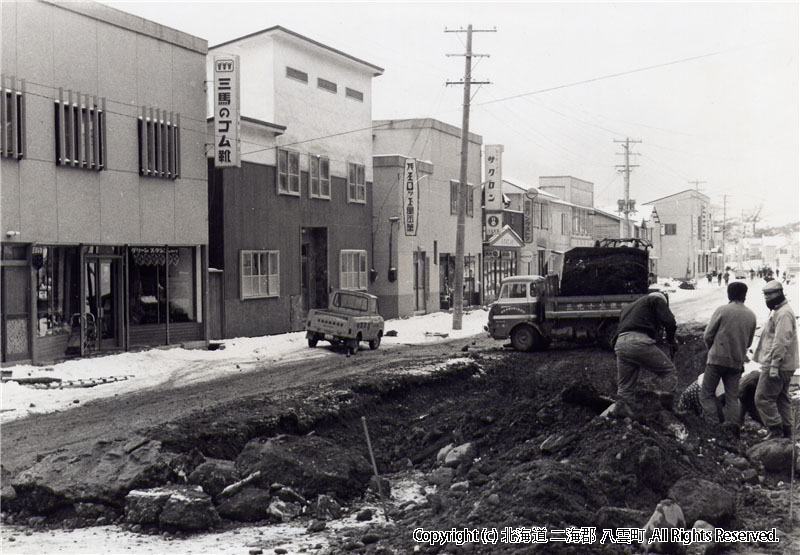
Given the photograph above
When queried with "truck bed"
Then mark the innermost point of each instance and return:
(587, 306)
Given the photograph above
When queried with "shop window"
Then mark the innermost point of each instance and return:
(260, 273)
(319, 169)
(12, 122)
(353, 269)
(57, 288)
(80, 131)
(356, 185)
(156, 297)
(159, 144)
(288, 172)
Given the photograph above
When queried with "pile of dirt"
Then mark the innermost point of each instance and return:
(542, 457)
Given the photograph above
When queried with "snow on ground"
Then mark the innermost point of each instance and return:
(158, 368)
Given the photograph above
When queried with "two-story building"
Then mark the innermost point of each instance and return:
(580, 194)
(415, 252)
(295, 220)
(104, 208)
(684, 244)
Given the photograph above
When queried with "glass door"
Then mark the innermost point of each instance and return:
(103, 321)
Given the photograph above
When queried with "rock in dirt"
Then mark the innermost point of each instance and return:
(441, 476)
(775, 455)
(463, 454)
(554, 443)
(704, 500)
(316, 526)
(182, 507)
(327, 508)
(365, 514)
(283, 511)
(310, 464)
(214, 475)
(248, 505)
(666, 516)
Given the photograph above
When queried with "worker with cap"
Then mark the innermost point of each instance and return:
(727, 336)
(778, 356)
(640, 324)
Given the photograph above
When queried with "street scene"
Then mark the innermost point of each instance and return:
(272, 283)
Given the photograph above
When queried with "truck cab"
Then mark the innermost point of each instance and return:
(518, 312)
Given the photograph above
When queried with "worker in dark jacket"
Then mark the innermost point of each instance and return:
(727, 337)
(640, 324)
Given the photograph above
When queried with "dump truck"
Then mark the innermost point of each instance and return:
(582, 304)
(351, 317)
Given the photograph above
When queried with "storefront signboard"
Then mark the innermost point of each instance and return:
(410, 197)
(226, 111)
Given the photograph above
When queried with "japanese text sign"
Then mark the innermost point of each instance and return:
(410, 196)
(493, 185)
(226, 111)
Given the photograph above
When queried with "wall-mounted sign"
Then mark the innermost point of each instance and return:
(410, 196)
(226, 111)
(494, 223)
(527, 221)
(493, 186)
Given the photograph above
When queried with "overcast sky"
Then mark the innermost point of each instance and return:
(711, 89)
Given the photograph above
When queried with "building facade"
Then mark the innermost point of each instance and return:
(580, 195)
(294, 221)
(684, 246)
(424, 256)
(103, 169)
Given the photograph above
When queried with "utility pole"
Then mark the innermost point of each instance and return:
(626, 169)
(458, 283)
(697, 184)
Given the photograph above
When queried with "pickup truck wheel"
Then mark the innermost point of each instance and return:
(312, 341)
(352, 346)
(524, 338)
(375, 343)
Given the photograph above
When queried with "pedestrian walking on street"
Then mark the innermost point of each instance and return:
(728, 335)
(726, 277)
(708, 277)
(640, 324)
(719, 278)
(778, 355)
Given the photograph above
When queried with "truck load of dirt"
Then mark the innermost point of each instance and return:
(604, 271)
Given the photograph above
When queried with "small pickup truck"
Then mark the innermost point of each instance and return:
(351, 317)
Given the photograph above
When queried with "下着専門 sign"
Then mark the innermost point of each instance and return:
(410, 196)
(226, 111)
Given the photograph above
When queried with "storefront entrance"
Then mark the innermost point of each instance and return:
(103, 314)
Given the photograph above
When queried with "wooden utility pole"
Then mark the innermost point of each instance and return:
(458, 283)
(626, 169)
(697, 184)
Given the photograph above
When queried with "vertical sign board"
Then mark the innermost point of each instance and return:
(527, 221)
(493, 189)
(226, 112)
(410, 198)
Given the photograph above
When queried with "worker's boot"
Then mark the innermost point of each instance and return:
(775, 432)
(621, 410)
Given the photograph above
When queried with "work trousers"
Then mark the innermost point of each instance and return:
(635, 351)
(708, 393)
(772, 399)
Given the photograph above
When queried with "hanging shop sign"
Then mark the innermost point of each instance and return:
(227, 150)
(410, 196)
(494, 178)
(527, 222)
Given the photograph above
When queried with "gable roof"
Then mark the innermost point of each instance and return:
(277, 29)
(696, 192)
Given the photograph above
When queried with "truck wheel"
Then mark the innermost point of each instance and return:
(351, 345)
(313, 340)
(375, 343)
(524, 338)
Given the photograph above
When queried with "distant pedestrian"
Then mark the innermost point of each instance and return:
(728, 335)
(777, 353)
(752, 274)
(719, 278)
(726, 277)
(640, 324)
(708, 277)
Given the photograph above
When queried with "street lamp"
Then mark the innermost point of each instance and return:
(392, 270)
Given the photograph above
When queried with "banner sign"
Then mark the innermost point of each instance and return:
(527, 222)
(410, 197)
(227, 152)
(493, 186)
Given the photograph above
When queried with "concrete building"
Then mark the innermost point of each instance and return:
(423, 257)
(104, 208)
(580, 195)
(684, 247)
(295, 221)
